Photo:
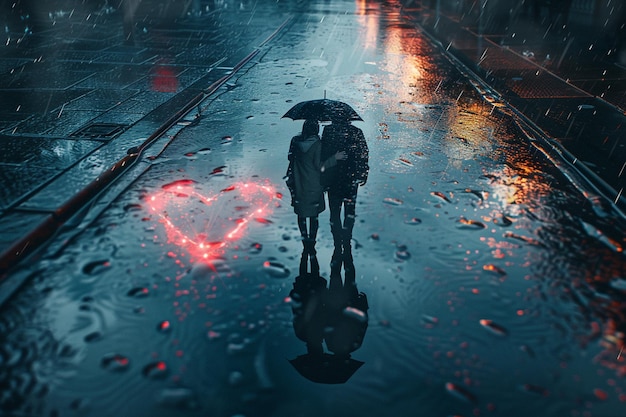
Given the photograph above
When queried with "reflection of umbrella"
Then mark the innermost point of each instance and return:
(326, 368)
(322, 110)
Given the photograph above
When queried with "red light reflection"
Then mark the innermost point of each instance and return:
(202, 225)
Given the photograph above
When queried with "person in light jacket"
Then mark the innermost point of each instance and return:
(303, 180)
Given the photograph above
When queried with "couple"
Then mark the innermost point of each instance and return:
(337, 164)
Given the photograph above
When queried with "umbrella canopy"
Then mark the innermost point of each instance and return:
(323, 110)
(326, 368)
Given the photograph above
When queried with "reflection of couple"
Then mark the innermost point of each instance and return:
(336, 316)
(337, 163)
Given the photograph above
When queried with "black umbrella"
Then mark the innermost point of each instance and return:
(326, 368)
(322, 110)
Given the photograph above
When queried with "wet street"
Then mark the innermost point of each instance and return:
(496, 282)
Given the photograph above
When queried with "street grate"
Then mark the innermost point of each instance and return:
(103, 131)
(540, 84)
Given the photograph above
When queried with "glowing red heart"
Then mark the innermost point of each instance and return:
(203, 224)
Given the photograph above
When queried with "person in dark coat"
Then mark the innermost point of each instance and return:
(303, 179)
(343, 180)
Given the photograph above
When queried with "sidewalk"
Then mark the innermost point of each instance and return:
(76, 95)
(571, 94)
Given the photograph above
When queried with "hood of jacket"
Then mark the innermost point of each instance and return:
(305, 143)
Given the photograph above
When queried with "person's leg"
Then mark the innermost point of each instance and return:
(310, 243)
(314, 225)
(309, 234)
(304, 258)
(349, 207)
(334, 204)
(302, 227)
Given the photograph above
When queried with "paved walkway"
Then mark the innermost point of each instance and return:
(76, 94)
(574, 95)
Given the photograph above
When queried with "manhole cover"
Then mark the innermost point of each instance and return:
(99, 131)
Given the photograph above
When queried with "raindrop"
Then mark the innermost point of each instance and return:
(393, 201)
(93, 337)
(471, 224)
(440, 195)
(523, 238)
(503, 221)
(96, 267)
(600, 394)
(477, 193)
(114, 362)
(414, 221)
(493, 327)
(179, 397)
(460, 392)
(430, 321)
(155, 370)
(402, 254)
(406, 162)
(256, 248)
(138, 292)
(164, 327)
(204, 151)
(132, 207)
(66, 351)
(179, 183)
(275, 269)
(493, 268)
(218, 170)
